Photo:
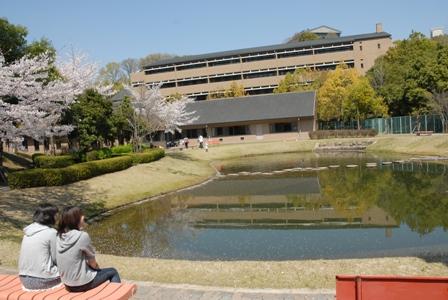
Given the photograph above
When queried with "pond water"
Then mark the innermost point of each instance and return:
(398, 209)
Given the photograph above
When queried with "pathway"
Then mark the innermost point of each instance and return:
(159, 291)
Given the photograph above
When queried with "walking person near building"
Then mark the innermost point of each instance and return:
(201, 141)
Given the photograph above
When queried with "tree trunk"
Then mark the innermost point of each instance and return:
(1, 153)
(52, 147)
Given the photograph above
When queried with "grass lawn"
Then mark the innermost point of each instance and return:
(188, 167)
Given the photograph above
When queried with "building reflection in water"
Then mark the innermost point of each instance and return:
(275, 203)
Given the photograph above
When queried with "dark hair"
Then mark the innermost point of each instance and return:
(70, 219)
(45, 214)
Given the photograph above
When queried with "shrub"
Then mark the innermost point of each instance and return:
(148, 156)
(51, 162)
(103, 153)
(61, 176)
(328, 134)
(122, 149)
(92, 155)
(35, 155)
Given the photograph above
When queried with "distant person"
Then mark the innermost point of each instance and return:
(181, 144)
(37, 261)
(76, 256)
(201, 141)
(186, 141)
(206, 146)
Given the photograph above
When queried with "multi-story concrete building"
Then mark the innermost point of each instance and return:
(260, 69)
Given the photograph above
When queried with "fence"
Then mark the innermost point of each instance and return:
(393, 125)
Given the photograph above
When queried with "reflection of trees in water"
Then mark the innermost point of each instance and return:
(143, 230)
(306, 201)
(420, 200)
(417, 199)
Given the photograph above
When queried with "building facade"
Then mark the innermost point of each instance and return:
(287, 116)
(260, 69)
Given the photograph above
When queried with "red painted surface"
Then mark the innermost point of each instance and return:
(350, 287)
(11, 289)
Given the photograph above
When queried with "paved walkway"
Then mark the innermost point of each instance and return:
(158, 291)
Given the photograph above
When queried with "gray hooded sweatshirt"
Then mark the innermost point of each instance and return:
(38, 252)
(74, 249)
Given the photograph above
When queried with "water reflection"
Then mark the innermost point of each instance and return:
(392, 210)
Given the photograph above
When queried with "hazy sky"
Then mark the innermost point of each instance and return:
(115, 30)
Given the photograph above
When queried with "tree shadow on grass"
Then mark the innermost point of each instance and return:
(179, 155)
(18, 160)
(17, 206)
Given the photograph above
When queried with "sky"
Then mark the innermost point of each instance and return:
(115, 30)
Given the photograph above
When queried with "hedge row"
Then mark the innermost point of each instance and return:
(328, 134)
(102, 153)
(147, 157)
(82, 171)
(61, 176)
(122, 149)
(51, 162)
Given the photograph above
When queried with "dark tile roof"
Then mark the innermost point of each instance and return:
(253, 108)
(258, 186)
(118, 97)
(280, 47)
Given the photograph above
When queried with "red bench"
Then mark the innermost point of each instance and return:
(350, 287)
(11, 289)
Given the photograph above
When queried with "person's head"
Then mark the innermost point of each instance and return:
(71, 218)
(45, 214)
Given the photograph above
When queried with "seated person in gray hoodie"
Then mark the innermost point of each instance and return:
(76, 255)
(37, 261)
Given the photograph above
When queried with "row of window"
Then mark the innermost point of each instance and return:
(252, 74)
(239, 130)
(252, 57)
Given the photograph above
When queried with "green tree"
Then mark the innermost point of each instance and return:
(346, 95)
(120, 119)
(129, 66)
(44, 46)
(435, 78)
(397, 76)
(41, 46)
(12, 40)
(303, 36)
(362, 102)
(301, 80)
(91, 115)
(112, 74)
(334, 92)
(174, 97)
(234, 90)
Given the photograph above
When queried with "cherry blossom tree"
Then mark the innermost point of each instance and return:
(40, 103)
(20, 81)
(77, 74)
(153, 113)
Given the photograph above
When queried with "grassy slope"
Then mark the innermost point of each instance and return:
(185, 168)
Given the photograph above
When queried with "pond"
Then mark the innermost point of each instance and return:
(317, 207)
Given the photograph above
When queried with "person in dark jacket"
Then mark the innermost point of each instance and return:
(75, 254)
